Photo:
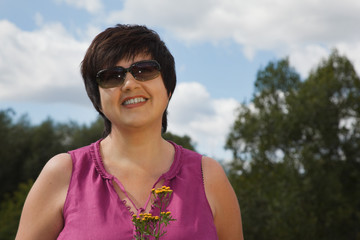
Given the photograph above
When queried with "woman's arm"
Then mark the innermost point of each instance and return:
(42, 216)
(222, 200)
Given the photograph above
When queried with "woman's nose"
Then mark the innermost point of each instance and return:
(130, 82)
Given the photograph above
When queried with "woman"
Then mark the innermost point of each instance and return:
(93, 192)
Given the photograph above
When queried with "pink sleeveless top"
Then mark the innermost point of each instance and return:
(94, 210)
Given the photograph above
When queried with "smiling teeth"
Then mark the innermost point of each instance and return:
(134, 101)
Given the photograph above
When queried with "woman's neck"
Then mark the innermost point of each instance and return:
(142, 148)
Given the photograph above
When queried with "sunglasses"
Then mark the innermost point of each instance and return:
(141, 71)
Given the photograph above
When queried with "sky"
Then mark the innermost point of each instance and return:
(218, 45)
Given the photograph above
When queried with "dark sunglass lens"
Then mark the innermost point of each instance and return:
(146, 70)
(111, 78)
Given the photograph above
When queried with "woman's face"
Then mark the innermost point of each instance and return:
(135, 104)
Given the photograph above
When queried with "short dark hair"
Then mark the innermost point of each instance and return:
(125, 42)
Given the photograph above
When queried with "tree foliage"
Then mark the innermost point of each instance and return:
(10, 210)
(184, 141)
(296, 148)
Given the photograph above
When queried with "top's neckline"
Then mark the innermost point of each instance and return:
(171, 173)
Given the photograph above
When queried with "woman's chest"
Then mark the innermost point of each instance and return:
(101, 214)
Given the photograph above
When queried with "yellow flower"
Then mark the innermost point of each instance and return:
(147, 224)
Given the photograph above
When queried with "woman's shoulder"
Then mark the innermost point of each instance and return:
(222, 199)
(54, 179)
(56, 173)
(213, 172)
(45, 200)
(212, 167)
(59, 166)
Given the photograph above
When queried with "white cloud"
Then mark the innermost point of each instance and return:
(92, 6)
(260, 24)
(40, 65)
(206, 120)
(283, 26)
(352, 51)
(308, 57)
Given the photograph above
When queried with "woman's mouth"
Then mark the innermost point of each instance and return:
(134, 101)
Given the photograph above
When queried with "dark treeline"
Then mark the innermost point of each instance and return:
(296, 148)
(26, 148)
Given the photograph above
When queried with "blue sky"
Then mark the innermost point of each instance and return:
(218, 46)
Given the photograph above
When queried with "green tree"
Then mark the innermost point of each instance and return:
(184, 141)
(81, 135)
(14, 140)
(10, 211)
(296, 165)
(45, 141)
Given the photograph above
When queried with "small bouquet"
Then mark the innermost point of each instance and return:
(147, 225)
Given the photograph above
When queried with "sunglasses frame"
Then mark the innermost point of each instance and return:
(124, 71)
